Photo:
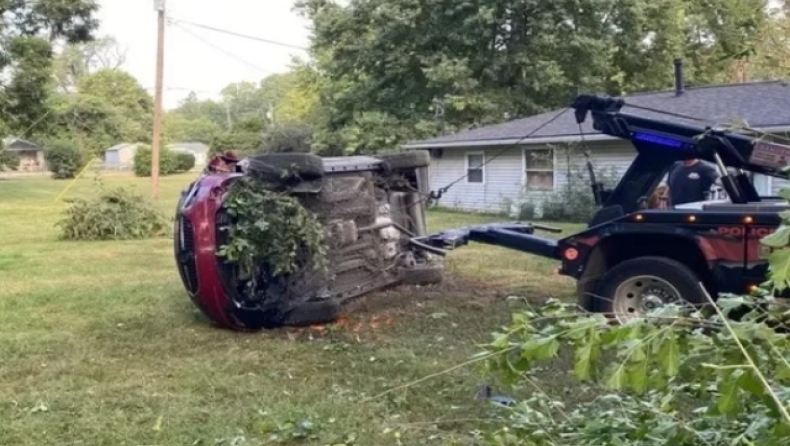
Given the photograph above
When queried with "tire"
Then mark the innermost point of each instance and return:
(618, 294)
(406, 160)
(423, 275)
(272, 166)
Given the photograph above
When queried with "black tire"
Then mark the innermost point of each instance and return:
(272, 166)
(423, 275)
(656, 272)
(406, 160)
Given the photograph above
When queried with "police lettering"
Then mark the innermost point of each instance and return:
(741, 231)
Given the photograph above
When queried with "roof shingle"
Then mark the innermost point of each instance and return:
(760, 104)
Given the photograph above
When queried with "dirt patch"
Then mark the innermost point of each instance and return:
(454, 290)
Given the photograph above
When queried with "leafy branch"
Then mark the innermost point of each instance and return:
(272, 233)
(668, 384)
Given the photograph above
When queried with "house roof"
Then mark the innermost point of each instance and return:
(762, 105)
(194, 147)
(18, 144)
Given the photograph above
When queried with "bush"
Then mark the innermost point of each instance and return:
(64, 159)
(575, 202)
(8, 160)
(287, 138)
(142, 161)
(112, 214)
(184, 162)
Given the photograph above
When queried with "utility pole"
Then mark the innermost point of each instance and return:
(156, 140)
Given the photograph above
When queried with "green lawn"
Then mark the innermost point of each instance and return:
(99, 345)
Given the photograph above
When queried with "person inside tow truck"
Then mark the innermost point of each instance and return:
(689, 181)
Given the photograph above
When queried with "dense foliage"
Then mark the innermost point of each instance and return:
(170, 162)
(390, 70)
(287, 138)
(64, 159)
(679, 376)
(272, 234)
(8, 160)
(112, 214)
(30, 31)
(184, 161)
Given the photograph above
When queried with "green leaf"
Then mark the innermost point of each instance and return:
(638, 374)
(618, 379)
(728, 403)
(669, 353)
(779, 239)
(541, 349)
(749, 382)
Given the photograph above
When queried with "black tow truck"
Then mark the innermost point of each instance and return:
(630, 259)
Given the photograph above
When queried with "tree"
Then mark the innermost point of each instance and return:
(30, 30)
(109, 106)
(178, 127)
(433, 66)
(78, 60)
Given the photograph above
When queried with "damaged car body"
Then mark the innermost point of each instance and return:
(372, 211)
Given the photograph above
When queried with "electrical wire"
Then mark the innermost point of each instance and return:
(222, 50)
(243, 36)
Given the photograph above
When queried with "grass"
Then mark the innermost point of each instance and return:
(99, 345)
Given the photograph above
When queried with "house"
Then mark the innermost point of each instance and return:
(31, 156)
(198, 149)
(519, 169)
(120, 156)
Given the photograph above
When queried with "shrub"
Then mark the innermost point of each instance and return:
(287, 138)
(142, 161)
(112, 214)
(575, 202)
(64, 159)
(184, 162)
(8, 160)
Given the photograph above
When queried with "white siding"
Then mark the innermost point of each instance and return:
(504, 175)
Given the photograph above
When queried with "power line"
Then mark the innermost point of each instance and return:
(222, 50)
(244, 36)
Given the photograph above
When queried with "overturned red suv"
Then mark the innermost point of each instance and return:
(372, 208)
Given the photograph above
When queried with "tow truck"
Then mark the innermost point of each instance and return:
(629, 260)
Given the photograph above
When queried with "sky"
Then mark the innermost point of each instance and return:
(202, 60)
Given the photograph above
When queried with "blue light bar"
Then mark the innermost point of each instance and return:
(659, 140)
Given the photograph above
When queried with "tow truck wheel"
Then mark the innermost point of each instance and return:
(638, 286)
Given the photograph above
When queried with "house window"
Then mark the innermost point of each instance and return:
(474, 167)
(539, 169)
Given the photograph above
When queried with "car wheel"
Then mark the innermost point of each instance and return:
(635, 287)
(423, 275)
(406, 160)
(271, 166)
